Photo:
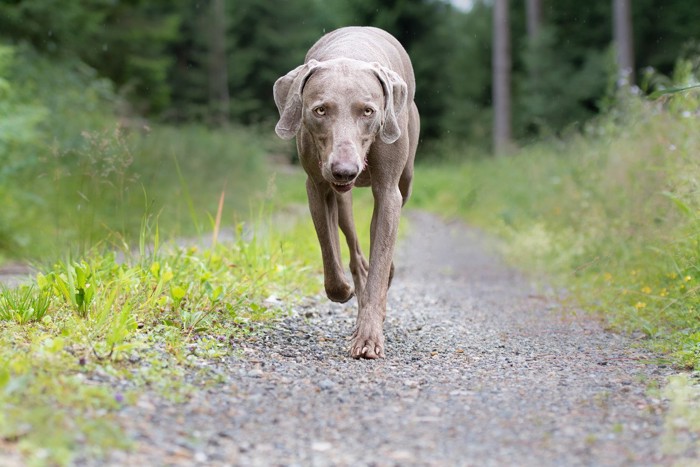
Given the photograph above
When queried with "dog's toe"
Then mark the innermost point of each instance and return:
(369, 345)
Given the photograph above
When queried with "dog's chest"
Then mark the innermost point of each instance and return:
(364, 179)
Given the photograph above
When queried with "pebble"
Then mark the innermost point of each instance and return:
(326, 384)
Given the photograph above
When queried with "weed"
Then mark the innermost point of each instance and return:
(23, 304)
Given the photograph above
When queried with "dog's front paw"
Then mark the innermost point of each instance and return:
(367, 342)
(340, 292)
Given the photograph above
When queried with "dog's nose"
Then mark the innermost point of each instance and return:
(343, 171)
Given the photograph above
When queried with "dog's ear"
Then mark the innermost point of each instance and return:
(287, 92)
(395, 95)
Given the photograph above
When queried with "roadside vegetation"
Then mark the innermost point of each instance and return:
(612, 213)
(74, 175)
(155, 249)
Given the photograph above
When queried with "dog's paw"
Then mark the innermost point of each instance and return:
(341, 292)
(367, 342)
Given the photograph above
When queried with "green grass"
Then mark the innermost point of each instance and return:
(611, 215)
(99, 192)
(88, 337)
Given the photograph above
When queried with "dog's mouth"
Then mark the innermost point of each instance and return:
(344, 187)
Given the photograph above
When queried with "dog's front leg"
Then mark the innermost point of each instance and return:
(368, 338)
(324, 212)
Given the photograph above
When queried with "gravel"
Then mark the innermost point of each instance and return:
(14, 274)
(481, 369)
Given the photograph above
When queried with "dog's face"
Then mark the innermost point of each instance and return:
(343, 108)
(344, 105)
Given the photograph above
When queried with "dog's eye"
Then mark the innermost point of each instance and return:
(368, 112)
(320, 111)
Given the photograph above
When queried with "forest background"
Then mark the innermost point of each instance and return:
(215, 61)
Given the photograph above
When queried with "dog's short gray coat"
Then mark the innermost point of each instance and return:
(351, 107)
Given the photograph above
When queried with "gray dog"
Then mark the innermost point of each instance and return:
(355, 85)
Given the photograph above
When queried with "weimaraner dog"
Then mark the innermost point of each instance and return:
(355, 85)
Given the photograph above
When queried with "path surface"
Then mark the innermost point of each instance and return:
(480, 370)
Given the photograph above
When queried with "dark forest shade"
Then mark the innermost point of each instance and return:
(166, 57)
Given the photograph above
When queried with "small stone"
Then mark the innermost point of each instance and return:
(255, 373)
(326, 384)
(410, 383)
(321, 446)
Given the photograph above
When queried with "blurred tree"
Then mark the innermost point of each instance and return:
(268, 39)
(136, 38)
(534, 18)
(188, 73)
(126, 40)
(563, 78)
(219, 101)
(622, 40)
(662, 30)
(555, 92)
(175, 61)
(501, 78)
(466, 112)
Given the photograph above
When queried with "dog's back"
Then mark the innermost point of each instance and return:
(367, 44)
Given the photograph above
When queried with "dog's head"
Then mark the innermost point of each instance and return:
(343, 104)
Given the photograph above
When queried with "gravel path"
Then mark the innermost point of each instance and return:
(480, 370)
(14, 274)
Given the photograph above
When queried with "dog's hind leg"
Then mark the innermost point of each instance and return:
(359, 267)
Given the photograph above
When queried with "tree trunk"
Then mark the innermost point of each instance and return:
(622, 36)
(219, 101)
(501, 78)
(534, 18)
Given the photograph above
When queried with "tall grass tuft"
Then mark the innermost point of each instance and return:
(23, 304)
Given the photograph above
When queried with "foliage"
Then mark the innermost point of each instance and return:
(19, 121)
(74, 175)
(612, 213)
(160, 55)
(553, 97)
(125, 41)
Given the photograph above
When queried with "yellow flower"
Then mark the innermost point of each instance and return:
(688, 278)
(646, 289)
(663, 292)
(640, 305)
(607, 276)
